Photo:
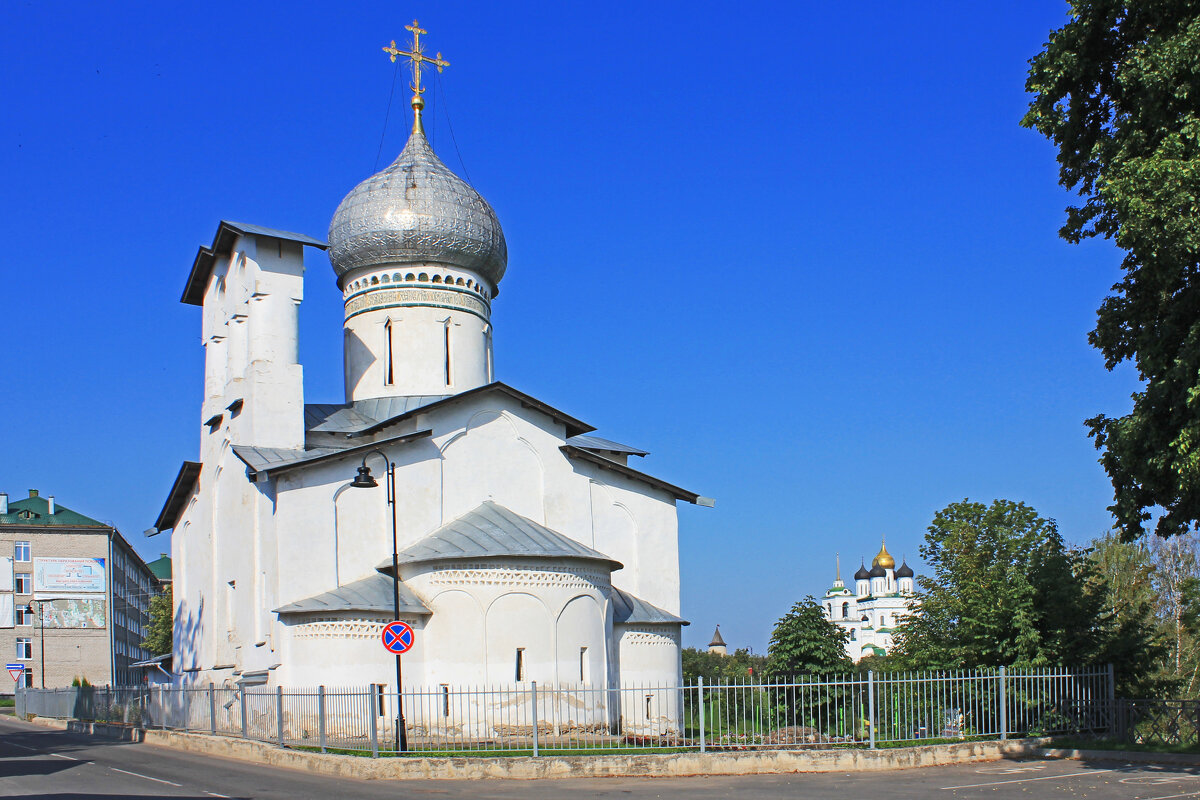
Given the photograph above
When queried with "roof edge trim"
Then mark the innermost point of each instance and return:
(571, 451)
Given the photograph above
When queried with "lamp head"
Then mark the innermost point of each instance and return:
(363, 479)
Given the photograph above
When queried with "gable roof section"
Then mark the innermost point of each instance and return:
(491, 530)
(414, 405)
(227, 233)
(185, 482)
(273, 460)
(373, 593)
(571, 451)
(37, 514)
(629, 609)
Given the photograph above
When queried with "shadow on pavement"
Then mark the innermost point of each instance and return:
(16, 767)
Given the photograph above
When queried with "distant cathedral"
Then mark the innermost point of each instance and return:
(882, 596)
(526, 548)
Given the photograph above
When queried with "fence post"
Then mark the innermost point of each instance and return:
(871, 705)
(373, 699)
(321, 715)
(212, 707)
(1111, 697)
(700, 702)
(245, 729)
(533, 687)
(1003, 705)
(279, 713)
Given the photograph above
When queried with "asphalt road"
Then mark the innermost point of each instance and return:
(56, 765)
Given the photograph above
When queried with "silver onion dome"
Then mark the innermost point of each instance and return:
(417, 211)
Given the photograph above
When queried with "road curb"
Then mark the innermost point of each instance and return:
(749, 762)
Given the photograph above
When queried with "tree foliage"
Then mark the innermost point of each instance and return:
(1123, 576)
(1004, 590)
(805, 643)
(1117, 90)
(162, 622)
(715, 668)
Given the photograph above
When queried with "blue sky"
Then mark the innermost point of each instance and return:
(801, 252)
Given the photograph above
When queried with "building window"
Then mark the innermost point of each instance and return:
(445, 699)
(853, 634)
(649, 706)
(389, 375)
(23, 582)
(24, 615)
(27, 678)
(447, 352)
(21, 551)
(520, 664)
(845, 610)
(583, 665)
(381, 694)
(25, 648)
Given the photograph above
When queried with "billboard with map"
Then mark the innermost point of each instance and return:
(73, 612)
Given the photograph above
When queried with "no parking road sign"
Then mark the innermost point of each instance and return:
(16, 670)
(398, 637)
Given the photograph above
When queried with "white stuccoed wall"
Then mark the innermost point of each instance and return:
(242, 548)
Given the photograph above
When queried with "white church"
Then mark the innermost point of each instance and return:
(526, 548)
(882, 597)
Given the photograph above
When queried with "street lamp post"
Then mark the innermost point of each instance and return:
(364, 480)
(41, 624)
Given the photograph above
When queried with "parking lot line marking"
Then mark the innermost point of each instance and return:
(1027, 780)
(23, 746)
(214, 794)
(60, 755)
(147, 777)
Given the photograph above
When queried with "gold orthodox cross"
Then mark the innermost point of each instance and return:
(416, 56)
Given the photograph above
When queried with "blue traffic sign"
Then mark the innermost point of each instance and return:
(398, 637)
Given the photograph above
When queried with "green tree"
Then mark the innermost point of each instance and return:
(805, 643)
(1117, 90)
(1004, 590)
(1123, 576)
(741, 666)
(162, 623)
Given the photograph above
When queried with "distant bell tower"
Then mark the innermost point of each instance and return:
(717, 645)
(419, 255)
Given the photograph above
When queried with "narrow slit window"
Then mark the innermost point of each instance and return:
(389, 375)
(649, 706)
(381, 694)
(520, 664)
(447, 348)
(445, 699)
(583, 665)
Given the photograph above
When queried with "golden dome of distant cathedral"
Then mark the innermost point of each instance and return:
(884, 559)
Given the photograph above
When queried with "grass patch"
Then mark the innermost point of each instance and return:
(8, 702)
(1115, 745)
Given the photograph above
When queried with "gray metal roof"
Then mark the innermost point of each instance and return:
(363, 414)
(368, 416)
(276, 459)
(490, 531)
(571, 451)
(275, 233)
(628, 609)
(588, 442)
(373, 593)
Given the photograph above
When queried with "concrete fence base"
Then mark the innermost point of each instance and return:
(747, 762)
